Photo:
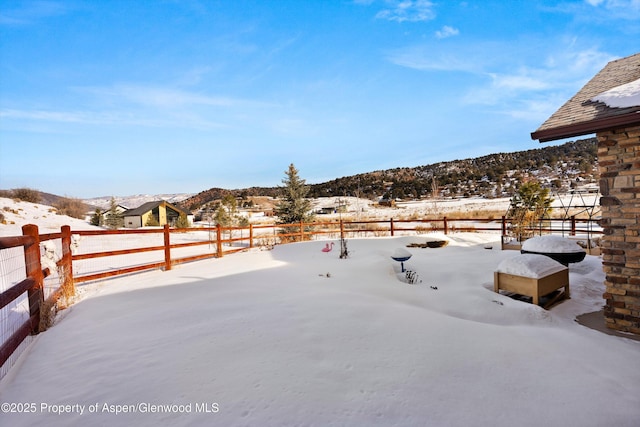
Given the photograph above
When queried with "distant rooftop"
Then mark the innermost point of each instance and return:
(582, 115)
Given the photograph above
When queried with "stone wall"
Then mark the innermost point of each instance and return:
(619, 163)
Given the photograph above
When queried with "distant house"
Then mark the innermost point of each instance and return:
(119, 210)
(158, 212)
(609, 106)
(326, 210)
(387, 202)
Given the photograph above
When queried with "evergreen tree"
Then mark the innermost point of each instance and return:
(113, 218)
(243, 222)
(532, 197)
(230, 204)
(528, 207)
(96, 219)
(222, 217)
(293, 206)
(226, 213)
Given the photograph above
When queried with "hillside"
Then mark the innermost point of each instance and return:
(15, 213)
(43, 198)
(497, 175)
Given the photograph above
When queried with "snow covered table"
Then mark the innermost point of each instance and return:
(532, 275)
(558, 248)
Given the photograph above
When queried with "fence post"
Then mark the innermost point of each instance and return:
(250, 236)
(391, 226)
(167, 248)
(34, 271)
(573, 225)
(66, 262)
(301, 232)
(446, 226)
(219, 240)
(504, 225)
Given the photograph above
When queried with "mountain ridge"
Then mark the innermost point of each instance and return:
(560, 167)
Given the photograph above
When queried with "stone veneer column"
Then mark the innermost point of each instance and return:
(619, 164)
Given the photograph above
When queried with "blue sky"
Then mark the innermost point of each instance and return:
(131, 97)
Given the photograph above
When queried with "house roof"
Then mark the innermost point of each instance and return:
(146, 207)
(581, 115)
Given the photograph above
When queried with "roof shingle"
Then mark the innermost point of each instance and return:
(581, 116)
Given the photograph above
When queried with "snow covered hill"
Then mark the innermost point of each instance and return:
(15, 214)
(134, 201)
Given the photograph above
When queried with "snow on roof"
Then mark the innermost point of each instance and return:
(551, 244)
(530, 265)
(623, 96)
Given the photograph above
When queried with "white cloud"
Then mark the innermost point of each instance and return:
(407, 10)
(602, 10)
(161, 97)
(44, 115)
(447, 31)
(620, 5)
(518, 82)
(516, 85)
(194, 76)
(434, 58)
(143, 106)
(534, 92)
(26, 13)
(565, 66)
(107, 118)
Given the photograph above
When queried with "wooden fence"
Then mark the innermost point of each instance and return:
(33, 283)
(215, 245)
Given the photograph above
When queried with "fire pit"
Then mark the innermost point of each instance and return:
(557, 248)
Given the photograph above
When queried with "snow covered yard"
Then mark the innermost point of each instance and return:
(296, 336)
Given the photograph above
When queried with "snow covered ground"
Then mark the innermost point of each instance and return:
(297, 336)
(18, 213)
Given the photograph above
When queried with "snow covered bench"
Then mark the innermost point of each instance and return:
(532, 275)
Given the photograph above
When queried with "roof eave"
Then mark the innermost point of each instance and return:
(585, 128)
